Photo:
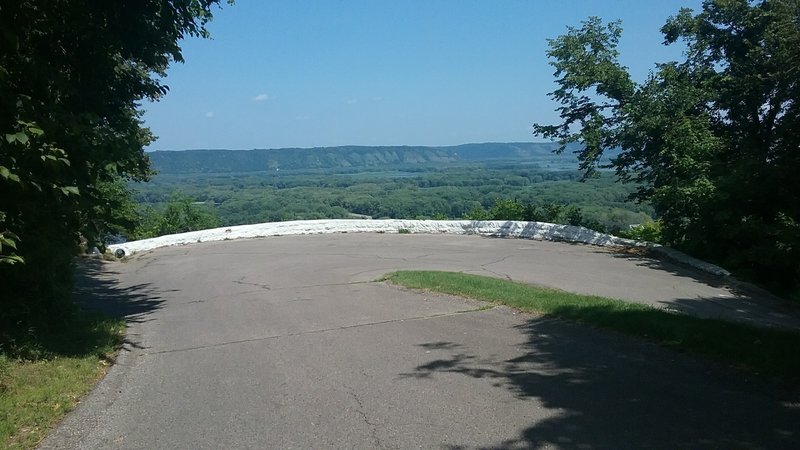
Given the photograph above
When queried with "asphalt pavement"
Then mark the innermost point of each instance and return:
(289, 342)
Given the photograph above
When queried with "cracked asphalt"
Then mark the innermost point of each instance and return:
(289, 342)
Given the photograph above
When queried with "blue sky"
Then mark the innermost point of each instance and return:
(284, 73)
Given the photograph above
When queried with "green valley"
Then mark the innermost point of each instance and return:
(243, 187)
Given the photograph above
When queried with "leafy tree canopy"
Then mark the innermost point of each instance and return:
(72, 76)
(713, 140)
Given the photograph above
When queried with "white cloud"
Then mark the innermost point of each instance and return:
(260, 98)
(301, 117)
(210, 114)
(377, 99)
(352, 101)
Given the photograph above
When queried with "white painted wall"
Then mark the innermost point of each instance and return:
(498, 228)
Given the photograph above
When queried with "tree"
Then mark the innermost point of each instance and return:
(712, 141)
(72, 76)
(181, 214)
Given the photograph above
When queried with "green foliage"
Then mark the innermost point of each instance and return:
(711, 141)
(505, 209)
(8, 245)
(44, 373)
(181, 214)
(477, 213)
(431, 192)
(649, 231)
(149, 224)
(72, 75)
(115, 213)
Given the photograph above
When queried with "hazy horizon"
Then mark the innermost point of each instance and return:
(304, 74)
(348, 145)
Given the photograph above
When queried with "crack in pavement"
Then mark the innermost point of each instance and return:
(496, 261)
(502, 275)
(373, 431)
(376, 269)
(308, 286)
(303, 333)
(193, 301)
(271, 289)
(247, 283)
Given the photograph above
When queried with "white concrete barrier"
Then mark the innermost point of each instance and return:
(495, 228)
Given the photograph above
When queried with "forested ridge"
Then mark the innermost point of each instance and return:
(356, 157)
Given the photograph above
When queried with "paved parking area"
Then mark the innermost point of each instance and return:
(288, 342)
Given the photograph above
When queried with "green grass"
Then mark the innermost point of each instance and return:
(761, 350)
(44, 374)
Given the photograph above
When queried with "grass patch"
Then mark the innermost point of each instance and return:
(761, 350)
(44, 372)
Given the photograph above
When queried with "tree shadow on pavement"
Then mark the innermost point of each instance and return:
(88, 325)
(736, 309)
(607, 391)
(746, 303)
(97, 288)
(641, 257)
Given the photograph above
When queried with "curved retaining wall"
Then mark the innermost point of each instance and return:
(495, 228)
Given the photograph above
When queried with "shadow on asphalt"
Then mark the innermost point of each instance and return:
(740, 289)
(748, 304)
(641, 257)
(97, 289)
(740, 310)
(610, 392)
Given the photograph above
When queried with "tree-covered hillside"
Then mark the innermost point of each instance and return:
(355, 157)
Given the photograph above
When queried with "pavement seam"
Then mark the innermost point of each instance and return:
(322, 285)
(267, 288)
(303, 333)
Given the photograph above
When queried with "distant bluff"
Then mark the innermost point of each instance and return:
(222, 161)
